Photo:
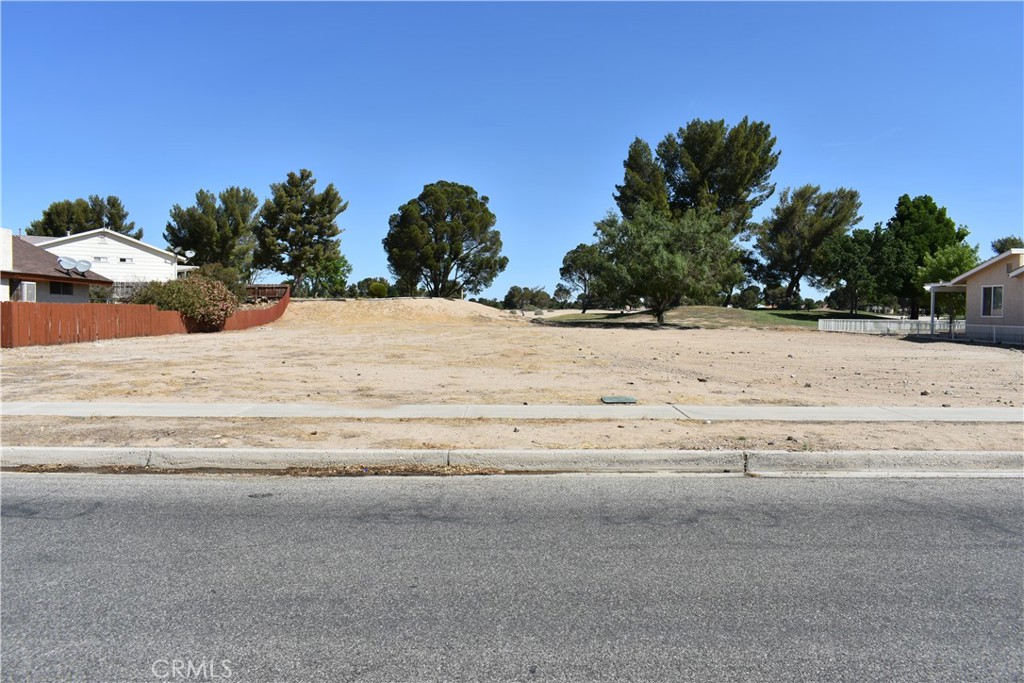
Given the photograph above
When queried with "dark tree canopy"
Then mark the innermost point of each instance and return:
(581, 268)
(790, 240)
(845, 261)
(70, 217)
(296, 231)
(918, 228)
(644, 182)
(710, 166)
(444, 239)
(1005, 244)
(217, 233)
(658, 259)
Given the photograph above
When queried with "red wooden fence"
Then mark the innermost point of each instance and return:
(32, 324)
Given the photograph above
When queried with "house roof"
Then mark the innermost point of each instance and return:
(29, 262)
(962, 279)
(36, 239)
(104, 232)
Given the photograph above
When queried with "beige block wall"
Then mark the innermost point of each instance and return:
(1013, 293)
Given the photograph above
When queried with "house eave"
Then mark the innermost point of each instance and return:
(995, 259)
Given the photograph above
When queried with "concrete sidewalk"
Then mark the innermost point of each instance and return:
(522, 412)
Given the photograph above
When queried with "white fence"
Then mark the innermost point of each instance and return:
(1006, 334)
(893, 327)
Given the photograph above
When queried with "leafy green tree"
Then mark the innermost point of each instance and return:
(918, 228)
(790, 240)
(296, 231)
(323, 279)
(644, 182)
(581, 270)
(70, 217)
(659, 259)
(216, 232)
(362, 288)
(1005, 244)
(562, 294)
(445, 239)
(710, 166)
(845, 262)
(944, 265)
(750, 297)
(522, 298)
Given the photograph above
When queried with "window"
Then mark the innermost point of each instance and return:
(992, 301)
(99, 259)
(126, 259)
(62, 288)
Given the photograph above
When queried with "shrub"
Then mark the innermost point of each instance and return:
(203, 302)
(100, 295)
(378, 290)
(230, 277)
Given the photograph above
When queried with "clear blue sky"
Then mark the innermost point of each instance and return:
(532, 104)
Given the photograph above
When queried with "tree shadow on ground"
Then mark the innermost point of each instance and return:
(613, 324)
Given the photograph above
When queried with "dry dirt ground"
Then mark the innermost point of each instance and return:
(389, 352)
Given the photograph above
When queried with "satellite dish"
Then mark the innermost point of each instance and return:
(176, 249)
(189, 253)
(66, 263)
(83, 266)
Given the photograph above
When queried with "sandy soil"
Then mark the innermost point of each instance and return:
(389, 352)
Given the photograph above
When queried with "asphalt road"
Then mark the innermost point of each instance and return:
(555, 578)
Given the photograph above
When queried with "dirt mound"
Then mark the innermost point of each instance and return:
(410, 310)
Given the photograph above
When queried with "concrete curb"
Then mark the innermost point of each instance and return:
(754, 463)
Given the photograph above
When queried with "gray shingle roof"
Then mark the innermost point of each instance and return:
(29, 262)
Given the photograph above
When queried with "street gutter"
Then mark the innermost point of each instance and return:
(478, 461)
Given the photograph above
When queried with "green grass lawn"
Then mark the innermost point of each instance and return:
(711, 317)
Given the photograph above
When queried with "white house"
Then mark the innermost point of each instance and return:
(126, 261)
(28, 273)
(995, 297)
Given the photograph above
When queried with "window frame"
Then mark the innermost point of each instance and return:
(61, 288)
(988, 303)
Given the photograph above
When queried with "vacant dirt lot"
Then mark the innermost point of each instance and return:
(389, 352)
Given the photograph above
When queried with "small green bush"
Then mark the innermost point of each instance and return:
(203, 302)
(378, 290)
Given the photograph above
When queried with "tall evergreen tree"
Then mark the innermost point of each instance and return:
(296, 231)
(70, 217)
(581, 269)
(657, 258)
(710, 166)
(644, 182)
(918, 228)
(445, 239)
(790, 240)
(1004, 244)
(216, 232)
